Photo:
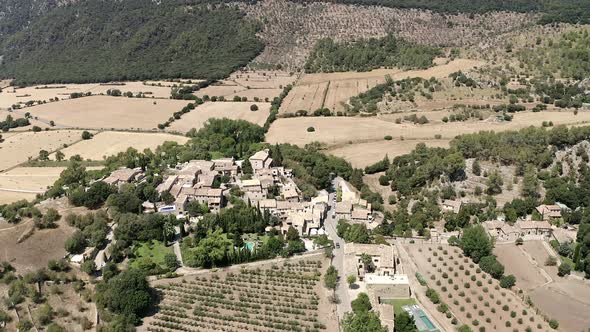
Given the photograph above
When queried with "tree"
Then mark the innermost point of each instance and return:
(464, 328)
(365, 321)
(88, 266)
(45, 314)
(127, 294)
(331, 278)
(86, 135)
(490, 264)
(212, 249)
(76, 243)
(55, 328)
(403, 322)
(476, 168)
(351, 279)
(357, 233)
(494, 183)
(171, 261)
(59, 156)
(361, 303)
(476, 243)
(167, 198)
(564, 269)
(292, 234)
(43, 155)
(362, 319)
(368, 264)
(253, 107)
(530, 182)
(507, 281)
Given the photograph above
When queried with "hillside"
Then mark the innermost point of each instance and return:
(567, 11)
(136, 39)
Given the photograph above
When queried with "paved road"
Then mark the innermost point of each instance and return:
(338, 260)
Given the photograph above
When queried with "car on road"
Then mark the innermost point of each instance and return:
(337, 245)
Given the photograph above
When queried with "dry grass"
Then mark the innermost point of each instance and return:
(338, 130)
(231, 110)
(310, 91)
(30, 178)
(7, 197)
(11, 95)
(16, 115)
(110, 143)
(37, 250)
(104, 112)
(17, 149)
(364, 154)
(564, 299)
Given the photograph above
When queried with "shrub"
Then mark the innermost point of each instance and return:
(433, 296)
(388, 137)
(553, 324)
(551, 261)
(564, 269)
(507, 281)
(310, 129)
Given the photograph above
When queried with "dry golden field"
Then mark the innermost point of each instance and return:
(364, 154)
(338, 130)
(108, 143)
(330, 90)
(16, 115)
(564, 299)
(11, 95)
(104, 112)
(262, 84)
(305, 97)
(17, 149)
(34, 179)
(231, 110)
(262, 79)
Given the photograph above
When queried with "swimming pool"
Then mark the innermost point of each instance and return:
(423, 322)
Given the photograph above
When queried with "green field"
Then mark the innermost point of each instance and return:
(399, 303)
(153, 252)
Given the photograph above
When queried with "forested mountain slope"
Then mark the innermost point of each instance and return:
(568, 11)
(17, 14)
(109, 40)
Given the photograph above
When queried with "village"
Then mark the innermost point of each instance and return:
(379, 270)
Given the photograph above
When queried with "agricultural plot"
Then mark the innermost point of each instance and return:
(275, 298)
(472, 296)
(26, 182)
(33, 179)
(310, 91)
(304, 97)
(338, 130)
(553, 295)
(104, 112)
(17, 149)
(263, 79)
(11, 95)
(231, 110)
(109, 143)
(368, 153)
(15, 115)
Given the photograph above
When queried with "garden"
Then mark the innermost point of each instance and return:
(277, 297)
(466, 295)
